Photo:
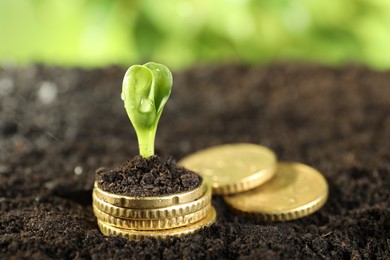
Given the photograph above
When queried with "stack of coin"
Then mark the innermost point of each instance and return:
(138, 217)
(255, 184)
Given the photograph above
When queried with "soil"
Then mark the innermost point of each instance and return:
(140, 177)
(57, 126)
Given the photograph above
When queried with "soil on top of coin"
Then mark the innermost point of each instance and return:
(145, 177)
(57, 126)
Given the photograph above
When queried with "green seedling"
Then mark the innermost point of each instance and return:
(145, 90)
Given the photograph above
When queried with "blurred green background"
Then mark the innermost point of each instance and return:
(181, 33)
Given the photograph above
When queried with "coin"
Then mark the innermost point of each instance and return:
(153, 213)
(297, 190)
(109, 230)
(232, 168)
(152, 224)
(150, 202)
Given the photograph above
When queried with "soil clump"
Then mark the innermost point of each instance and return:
(148, 177)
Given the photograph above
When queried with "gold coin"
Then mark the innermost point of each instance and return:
(152, 224)
(233, 168)
(153, 213)
(150, 202)
(297, 190)
(109, 230)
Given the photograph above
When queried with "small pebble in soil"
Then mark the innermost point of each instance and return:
(47, 93)
(145, 177)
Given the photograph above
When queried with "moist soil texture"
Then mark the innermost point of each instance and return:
(57, 126)
(142, 177)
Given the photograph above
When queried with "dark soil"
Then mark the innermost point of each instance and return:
(142, 177)
(57, 126)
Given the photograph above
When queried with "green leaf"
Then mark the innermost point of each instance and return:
(163, 84)
(145, 90)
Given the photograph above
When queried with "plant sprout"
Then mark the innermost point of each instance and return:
(145, 91)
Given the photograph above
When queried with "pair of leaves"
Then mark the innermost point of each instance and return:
(145, 90)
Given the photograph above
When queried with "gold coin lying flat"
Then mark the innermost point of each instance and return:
(297, 190)
(152, 224)
(233, 168)
(150, 202)
(153, 213)
(109, 230)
